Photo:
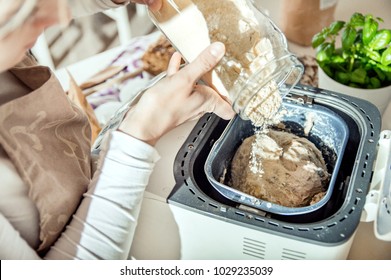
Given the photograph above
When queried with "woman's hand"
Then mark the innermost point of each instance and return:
(177, 98)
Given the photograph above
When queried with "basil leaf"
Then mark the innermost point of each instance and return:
(317, 39)
(329, 49)
(381, 40)
(385, 68)
(375, 82)
(348, 37)
(380, 74)
(322, 56)
(337, 59)
(374, 55)
(369, 30)
(357, 20)
(359, 76)
(336, 26)
(342, 77)
(386, 57)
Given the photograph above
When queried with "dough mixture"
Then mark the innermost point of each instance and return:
(281, 168)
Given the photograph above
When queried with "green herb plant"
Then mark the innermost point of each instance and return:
(363, 57)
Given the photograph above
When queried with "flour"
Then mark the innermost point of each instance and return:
(309, 123)
(262, 147)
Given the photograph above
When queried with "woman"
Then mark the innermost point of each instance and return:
(52, 205)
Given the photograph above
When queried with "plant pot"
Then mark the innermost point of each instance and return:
(380, 97)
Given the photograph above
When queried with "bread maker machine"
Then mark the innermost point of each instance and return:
(215, 222)
(205, 219)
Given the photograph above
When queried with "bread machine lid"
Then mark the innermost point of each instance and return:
(378, 201)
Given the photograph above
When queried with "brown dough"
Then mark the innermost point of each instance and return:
(291, 171)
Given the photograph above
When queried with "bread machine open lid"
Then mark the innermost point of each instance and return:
(377, 207)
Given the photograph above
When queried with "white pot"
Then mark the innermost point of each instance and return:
(380, 97)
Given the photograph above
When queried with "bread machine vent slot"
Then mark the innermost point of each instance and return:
(288, 254)
(254, 248)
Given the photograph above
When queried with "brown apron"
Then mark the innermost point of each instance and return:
(47, 138)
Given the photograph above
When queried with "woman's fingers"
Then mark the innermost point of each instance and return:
(154, 5)
(174, 64)
(210, 101)
(203, 98)
(205, 62)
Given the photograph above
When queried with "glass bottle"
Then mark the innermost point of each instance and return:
(257, 69)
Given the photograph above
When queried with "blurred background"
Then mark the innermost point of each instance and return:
(94, 34)
(84, 37)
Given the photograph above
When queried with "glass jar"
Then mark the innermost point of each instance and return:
(257, 69)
